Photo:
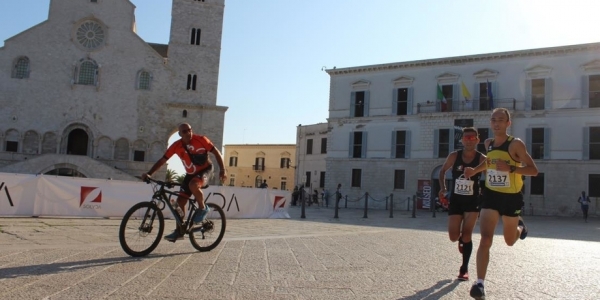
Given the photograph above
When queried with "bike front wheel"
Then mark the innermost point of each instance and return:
(207, 235)
(141, 229)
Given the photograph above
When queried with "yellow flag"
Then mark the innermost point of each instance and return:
(465, 91)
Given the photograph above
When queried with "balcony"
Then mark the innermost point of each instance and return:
(258, 168)
(466, 106)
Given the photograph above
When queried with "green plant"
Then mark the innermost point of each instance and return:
(171, 175)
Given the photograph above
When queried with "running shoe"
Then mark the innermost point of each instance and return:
(173, 236)
(477, 291)
(463, 274)
(524, 231)
(201, 214)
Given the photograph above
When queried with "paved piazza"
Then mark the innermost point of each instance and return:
(318, 257)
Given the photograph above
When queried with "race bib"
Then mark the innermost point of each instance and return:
(497, 178)
(463, 186)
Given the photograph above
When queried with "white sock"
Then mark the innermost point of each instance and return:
(479, 280)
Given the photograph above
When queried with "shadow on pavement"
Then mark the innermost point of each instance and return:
(73, 266)
(439, 289)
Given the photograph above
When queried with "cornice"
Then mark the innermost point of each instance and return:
(478, 58)
(196, 106)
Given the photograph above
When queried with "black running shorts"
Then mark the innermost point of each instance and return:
(460, 204)
(509, 205)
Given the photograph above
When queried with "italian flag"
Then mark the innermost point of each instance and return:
(440, 95)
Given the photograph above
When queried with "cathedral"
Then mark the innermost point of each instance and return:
(82, 95)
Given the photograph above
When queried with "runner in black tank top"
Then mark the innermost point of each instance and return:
(464, 205)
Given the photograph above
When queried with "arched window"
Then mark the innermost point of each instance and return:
(191, 82)
(21, 68)
(86, 72)
(195, 37)
(185, 113)
(143, 80)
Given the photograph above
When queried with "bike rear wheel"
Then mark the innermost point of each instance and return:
(206, 236)
(141, 229)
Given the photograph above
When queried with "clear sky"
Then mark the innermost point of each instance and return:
(273, 51)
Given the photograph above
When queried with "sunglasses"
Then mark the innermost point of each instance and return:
(469, 137)
(185, 131)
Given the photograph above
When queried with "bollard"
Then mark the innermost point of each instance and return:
(434, 210)
(303, 214)
(391, 205)
(366, 204)
(337, 206)
(414, 209)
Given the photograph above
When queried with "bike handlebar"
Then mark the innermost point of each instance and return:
(167, 184)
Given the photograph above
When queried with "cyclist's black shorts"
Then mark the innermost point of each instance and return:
(185, 185)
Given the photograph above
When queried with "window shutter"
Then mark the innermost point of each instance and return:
(367, 98)
(451, 139)
(528, 94)
(436, 143)
(476, 97)
(351, 144)
(548, 93)
(407, 143)
(352, 103)
(395, 102)
(393, 144)
(409, 102)
(495, 93)
(455, 97)
(528, 137)
(585, 93)
(586, 143)
(547, 143)
(363, 146)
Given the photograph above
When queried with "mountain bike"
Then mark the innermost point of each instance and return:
(142, 226)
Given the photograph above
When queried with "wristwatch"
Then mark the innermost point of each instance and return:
(513, 169)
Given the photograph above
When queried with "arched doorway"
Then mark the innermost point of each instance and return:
(435, 182)
(77, 143)
(69, 172)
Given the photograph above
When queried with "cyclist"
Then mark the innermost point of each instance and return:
(193, 151)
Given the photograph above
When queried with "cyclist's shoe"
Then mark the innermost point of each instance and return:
(201, 214)
(477, 291)
(524, 231)
(460, 244)
(463, 274)
(173, 236)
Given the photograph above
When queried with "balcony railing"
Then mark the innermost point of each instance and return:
(468, 105)
(258, 167)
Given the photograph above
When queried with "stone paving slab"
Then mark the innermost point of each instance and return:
(318, 257)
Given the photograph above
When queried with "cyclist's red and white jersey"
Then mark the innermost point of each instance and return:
(198, 145)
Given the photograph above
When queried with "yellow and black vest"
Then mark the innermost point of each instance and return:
(503, 182)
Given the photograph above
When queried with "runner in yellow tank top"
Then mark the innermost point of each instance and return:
(507, 160)
(502, 181)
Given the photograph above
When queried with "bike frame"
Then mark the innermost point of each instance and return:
(163, 195)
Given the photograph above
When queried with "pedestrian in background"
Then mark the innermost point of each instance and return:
(585, 204)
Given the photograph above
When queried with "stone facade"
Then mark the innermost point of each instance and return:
(552, 94)
(83, 82)
(248, 165)
(311, 153)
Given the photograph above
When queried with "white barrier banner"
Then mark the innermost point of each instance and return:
(44, 195)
